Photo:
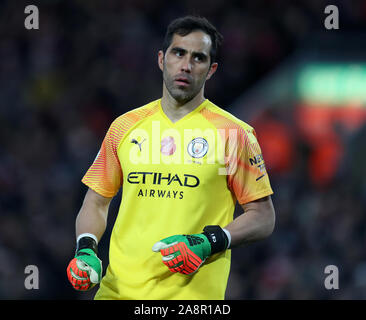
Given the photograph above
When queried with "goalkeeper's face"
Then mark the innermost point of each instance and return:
(186, 65)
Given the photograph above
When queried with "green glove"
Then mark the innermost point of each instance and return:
(186, 253)
(85, 270)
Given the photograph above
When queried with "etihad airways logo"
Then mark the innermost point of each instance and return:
(159, 178)
(156, 183)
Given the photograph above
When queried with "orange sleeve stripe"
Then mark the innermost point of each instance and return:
(240, 172)
(105, 175)
(224, 123)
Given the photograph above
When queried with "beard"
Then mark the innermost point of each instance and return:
(182, 94)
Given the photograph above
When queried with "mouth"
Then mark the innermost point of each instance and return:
(182, 81)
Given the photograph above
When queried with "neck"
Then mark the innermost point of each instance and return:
(175, 110)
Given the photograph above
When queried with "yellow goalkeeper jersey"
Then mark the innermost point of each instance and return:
(176, 178)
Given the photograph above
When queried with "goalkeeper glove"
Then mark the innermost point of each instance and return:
(186, 253)
(85, 270)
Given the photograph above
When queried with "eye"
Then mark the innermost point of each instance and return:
(178, 52)
(199, 58)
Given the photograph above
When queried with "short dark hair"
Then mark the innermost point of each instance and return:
(185, 25)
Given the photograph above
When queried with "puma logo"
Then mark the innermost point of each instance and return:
(137, 143)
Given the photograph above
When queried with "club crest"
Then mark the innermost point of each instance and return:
(197, 148)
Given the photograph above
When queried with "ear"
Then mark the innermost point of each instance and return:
(212, 70)
(161, 60)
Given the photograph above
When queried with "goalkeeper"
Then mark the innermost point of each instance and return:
(175, 228)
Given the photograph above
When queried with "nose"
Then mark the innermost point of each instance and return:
(186, 64)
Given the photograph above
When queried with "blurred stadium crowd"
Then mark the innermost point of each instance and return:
(90, 61)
